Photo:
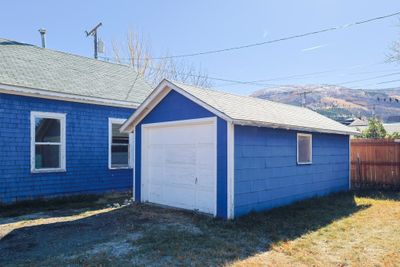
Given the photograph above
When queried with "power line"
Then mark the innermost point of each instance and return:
(314, 74)
(211, 77)
(257, 82)
(374, 84)
(281, 39)
(290, 37)
(371, 78)
(261, 82)
(392, 81)
(230, 81)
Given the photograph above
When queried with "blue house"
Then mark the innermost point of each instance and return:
(60, 116)
(228, 155)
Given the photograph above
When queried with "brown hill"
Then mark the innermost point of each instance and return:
(338, 102)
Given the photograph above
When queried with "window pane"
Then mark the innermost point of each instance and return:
(47, 156)
(117, 137)
(119, 156)
(47, 130)
(304, 149)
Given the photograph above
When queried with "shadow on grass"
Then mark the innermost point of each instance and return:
(378, 194)
(171, 237)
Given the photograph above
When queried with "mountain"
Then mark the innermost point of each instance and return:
(338, 102)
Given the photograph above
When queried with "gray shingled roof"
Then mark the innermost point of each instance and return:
(246, 110)
(41, 68)
(251, 110)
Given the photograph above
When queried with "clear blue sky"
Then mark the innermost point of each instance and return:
(189, 26)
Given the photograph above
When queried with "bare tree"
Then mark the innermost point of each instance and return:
(394, 54)
(137, 54)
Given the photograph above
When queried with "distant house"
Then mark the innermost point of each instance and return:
(360, 125)
(59, 120)
(228, 155)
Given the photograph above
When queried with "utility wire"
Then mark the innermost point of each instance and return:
(314, 74)
(212, 78)
(257, 82)
(261, 82)
(207, 52)
(392, 81)
(371, 78)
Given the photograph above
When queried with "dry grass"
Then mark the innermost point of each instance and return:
(369, 237)
(341, 230)
(342, 103)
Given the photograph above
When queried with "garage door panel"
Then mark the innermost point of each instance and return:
(180, 197)
(205, 133)
(156, 193)
(179, 174)
(155, 173)
(205, 177)
(180, 165)
(174, 136)
(205, 201)
(157, 155)
(180, 154)
(204, 150)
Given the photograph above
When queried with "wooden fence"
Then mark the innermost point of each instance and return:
(375, 163)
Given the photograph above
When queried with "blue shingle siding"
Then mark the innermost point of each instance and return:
(175, 107)
(267, 174)
(86, 150)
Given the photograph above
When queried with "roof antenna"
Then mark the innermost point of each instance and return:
(93, 33)
(43, 35)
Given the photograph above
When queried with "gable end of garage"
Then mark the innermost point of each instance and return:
(176, 108)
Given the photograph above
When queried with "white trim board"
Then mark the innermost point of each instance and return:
(205, 120)
(310, 147)
(231, 170)
(62, 143)
(349, 163)
(156, 96)
(39, 93)
(112, 121)
(134, 165)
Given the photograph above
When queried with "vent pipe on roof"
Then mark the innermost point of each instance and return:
(43, 35)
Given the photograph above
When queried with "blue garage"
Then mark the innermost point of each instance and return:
(228, 155)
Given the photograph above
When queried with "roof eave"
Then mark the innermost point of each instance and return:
(42, 93)
(142, 110)
(163, 88)
(291, 127)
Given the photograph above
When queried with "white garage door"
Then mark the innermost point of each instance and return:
(179, 164)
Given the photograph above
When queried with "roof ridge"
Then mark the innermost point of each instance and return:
(70, 54)
(237, 95)
(30, 66)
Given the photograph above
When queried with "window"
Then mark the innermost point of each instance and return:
(304, 148)
(47, 142)
(119, 145)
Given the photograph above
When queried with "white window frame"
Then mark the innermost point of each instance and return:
(306, 135)
(112, 121)
(48, 115)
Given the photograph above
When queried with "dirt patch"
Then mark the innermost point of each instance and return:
(116, 248)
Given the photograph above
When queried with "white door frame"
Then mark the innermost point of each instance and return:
(144, 129)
